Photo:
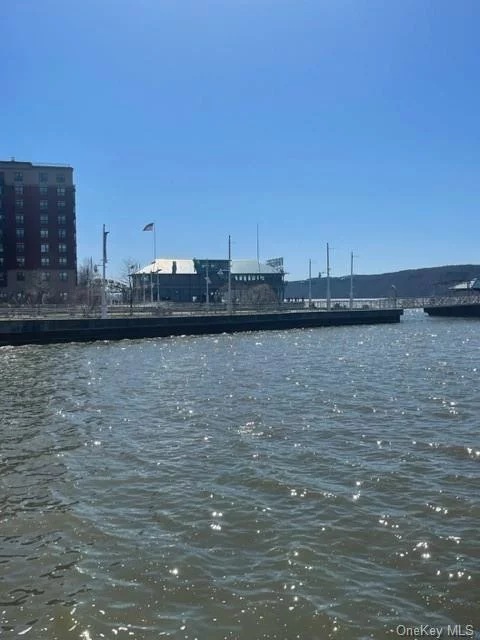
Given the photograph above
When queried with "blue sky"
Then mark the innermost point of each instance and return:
(349, 121)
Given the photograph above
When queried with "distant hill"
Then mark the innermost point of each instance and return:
(410, 283)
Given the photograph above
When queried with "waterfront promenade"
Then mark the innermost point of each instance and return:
(168, 308)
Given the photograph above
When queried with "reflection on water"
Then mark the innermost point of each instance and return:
(304, 484)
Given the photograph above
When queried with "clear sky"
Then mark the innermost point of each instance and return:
(355, 122)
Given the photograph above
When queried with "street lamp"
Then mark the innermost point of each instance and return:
(329, 303)
(229, 306)
(207, 282)
(131, 269)
(104, 265)
(394, 295)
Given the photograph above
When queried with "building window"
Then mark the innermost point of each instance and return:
(61, 204)
(62, 234)
(44, 234)
(60, 177)
(43, 176)
(19, 203)
(20, 247)
(20, 276)
(20, 232)
(62, 248)
(45, 276)
(60, 191)
(20, 262)
(1, 262)
(62, 261)
(63, 275)
(2, 177)
(1, 248)
(43, 204)
(2, 218)
(45, 261)
(19, 189)
(18, 176)
(43, 219)
(19, 218)
(62, 219)
(44, 191)
(44, 248)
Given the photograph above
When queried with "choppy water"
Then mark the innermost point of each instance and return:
(282, 485)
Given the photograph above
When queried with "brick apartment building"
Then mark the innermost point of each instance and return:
(38, 248)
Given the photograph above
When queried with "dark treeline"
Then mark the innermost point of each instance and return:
(409, 283)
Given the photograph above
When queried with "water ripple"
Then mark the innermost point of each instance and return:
(303, 484)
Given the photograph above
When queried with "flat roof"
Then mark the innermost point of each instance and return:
(20, 164)
(187, 266)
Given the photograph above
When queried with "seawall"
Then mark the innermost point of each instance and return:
(46, 331)
(455, 310)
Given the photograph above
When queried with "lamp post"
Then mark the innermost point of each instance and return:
(104, 268)
(310, 283)
(131, 269)
(351, 280)
(229, 303)
(394, 294)
(329, 301)
(207, 282)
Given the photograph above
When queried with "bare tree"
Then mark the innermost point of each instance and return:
(129, 266)
(86, 272)
(88, 292)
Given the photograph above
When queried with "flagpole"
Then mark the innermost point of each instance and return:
(154, 242)
(151, 227)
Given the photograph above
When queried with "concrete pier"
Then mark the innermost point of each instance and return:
(466, 310)
(46, 331)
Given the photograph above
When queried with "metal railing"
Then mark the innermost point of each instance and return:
(171, 308)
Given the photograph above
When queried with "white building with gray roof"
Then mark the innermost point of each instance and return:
(185, 280)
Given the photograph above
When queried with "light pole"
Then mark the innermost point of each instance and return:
(310, 283)
(351, 280)
(329, 301)
(131, 269)
(207, 282)
(394, 294)
(104, 269)
(229, 302)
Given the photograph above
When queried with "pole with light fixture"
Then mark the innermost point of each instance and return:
(104, 270)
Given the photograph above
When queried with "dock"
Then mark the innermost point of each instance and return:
(21, 331)
(463, 310)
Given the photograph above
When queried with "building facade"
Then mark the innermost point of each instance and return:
(38, 247)
(185, 280)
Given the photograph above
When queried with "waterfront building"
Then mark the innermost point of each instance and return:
(38, 255)
(185, 280)
(470, 285)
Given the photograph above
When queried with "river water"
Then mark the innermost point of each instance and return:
(290, 485)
